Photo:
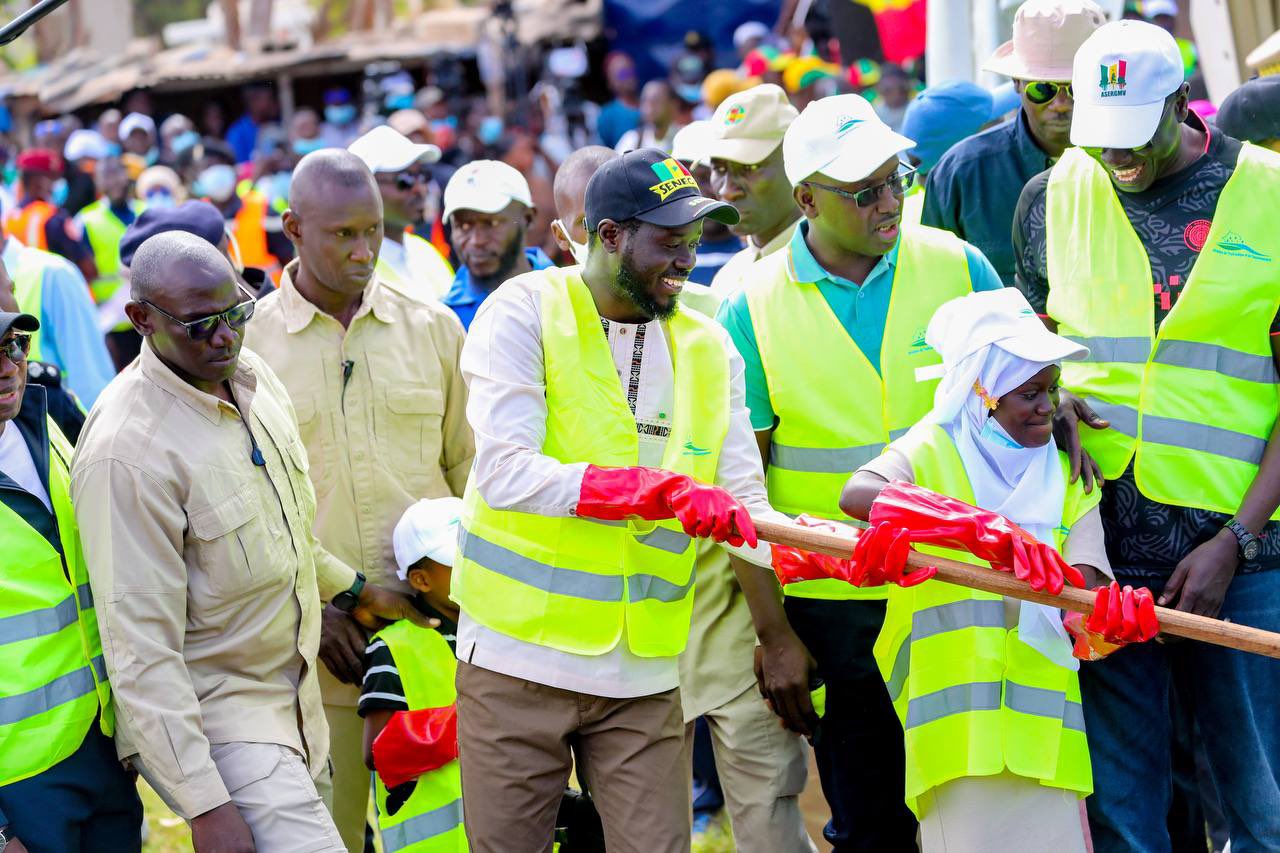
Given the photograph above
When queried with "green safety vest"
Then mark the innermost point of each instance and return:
(580, 585)
(835, 412)
(974, 700)
(105, 231)
(28, 289)
(55, 681)
(913, 203)
(431, 275)
(431, 819)
(1192, 405)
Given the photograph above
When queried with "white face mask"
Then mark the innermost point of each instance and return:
(578, 250)
(217, 182)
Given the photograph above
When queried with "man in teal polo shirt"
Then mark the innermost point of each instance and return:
(823, 351)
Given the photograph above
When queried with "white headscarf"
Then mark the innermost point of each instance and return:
(1024, 484)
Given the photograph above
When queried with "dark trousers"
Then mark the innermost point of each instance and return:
(859, 746)
(84, 803)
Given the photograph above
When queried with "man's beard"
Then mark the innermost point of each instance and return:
(511, 256)
(629, 285)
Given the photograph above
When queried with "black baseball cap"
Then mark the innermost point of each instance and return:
(1252, 112)
(654, 187)
(22, 322)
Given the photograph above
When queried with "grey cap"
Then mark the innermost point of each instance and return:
(21, 322)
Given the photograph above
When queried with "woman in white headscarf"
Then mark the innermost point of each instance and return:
(987, 688)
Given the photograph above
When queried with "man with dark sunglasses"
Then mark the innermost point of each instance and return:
(402, 168)
(61, 785)
(973, 189)
(832, 331)
(196, 514)
(1155, 242)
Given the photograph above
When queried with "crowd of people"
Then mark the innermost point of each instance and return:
(396, 473)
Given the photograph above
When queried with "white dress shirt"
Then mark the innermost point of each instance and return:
(502, 363)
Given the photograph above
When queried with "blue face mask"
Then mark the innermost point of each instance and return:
(303, 147)
(994, 433)
(159, 200)
(114, 149)
(490, 130)
(59, 197)
(398, 102)
(340, 114)
(184, 140)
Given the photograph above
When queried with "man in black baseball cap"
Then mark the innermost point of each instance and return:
(595, 399)
(644, 220)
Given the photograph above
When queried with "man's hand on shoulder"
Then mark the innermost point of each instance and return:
(380, 607)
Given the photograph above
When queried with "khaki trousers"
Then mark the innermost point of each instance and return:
(350, 777)
(763, 768)
(517, 744)
(998, 813)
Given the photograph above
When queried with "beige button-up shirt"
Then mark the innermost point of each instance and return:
(206, 576)
(382, 408)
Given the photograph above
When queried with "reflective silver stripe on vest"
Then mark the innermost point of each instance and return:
(85, 594)
(1124, 419)
(1204, 438)
(1042, 702)
(955, 616)
(543, 576)
(645, 587)
(1230, 362)
(38, 623)
(665, 539)
(828, 460)
(99, 667)
(421, 827)
(1122, 350)
(901, 668)
(957, 699)
(63, 689)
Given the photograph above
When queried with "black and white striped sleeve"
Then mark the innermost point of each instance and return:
(382, 689)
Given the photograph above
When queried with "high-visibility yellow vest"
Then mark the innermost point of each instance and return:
(913, 203)
(430, 275)
(581, 585)
(431, 819)
(105, 231)
(1193, 404)
(974, 700)
(28, 289)
(835, 411)
(55, 681)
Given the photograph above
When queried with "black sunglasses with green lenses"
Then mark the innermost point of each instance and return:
(16, 348)
(1041, 92)
(202, 329)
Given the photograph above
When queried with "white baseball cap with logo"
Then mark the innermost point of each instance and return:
(485, 186)
(689, 145)
(841, 137)
(384, 149)
(749, 126)
(1122, 75)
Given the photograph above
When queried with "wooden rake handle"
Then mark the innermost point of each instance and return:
(1174, 623)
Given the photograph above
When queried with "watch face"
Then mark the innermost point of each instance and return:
(1251, 549)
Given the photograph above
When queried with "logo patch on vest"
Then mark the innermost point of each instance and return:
(1234, 246)
(672, 176)
(1112, 82)
(691, 449)
(918, 343)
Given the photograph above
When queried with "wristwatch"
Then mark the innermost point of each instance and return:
(347, 600)
(1250, 545)
(5, 837)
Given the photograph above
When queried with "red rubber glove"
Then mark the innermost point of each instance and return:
(616, 494)
(879, 557)
(936, 519)
(1120, 616)
(415, 742)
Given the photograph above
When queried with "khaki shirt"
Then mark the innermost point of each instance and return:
(382, 408)
(206, 576)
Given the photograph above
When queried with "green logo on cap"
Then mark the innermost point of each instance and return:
(672, 176)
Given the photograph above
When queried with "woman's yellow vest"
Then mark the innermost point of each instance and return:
(1193, 404)
(55, 681)
(973, 699)
(576, 584)
(835, 411)
(430, 821)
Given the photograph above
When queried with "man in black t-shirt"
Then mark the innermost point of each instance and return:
(1171, 173)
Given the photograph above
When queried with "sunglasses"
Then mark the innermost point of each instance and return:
(203, 328)
(1040, 92)
(16, 348)
(897, 184)
(406, 181)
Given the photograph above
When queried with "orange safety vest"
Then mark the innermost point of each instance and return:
(249, 229)
(26, 224)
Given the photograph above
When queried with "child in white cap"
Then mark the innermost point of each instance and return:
(407, 699)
